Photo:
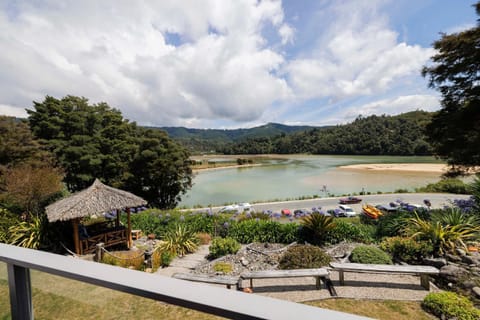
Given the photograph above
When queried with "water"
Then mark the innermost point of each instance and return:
(297, 176)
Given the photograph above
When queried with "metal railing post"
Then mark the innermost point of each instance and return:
(20, 292)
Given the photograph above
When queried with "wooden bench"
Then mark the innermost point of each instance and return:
(318, 274)
(229, 281)
(422, 271)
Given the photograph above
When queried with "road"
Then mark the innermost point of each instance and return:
(438, 200)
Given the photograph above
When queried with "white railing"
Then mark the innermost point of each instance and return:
(210, 299)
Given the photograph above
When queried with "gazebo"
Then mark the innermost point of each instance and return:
(95, 200)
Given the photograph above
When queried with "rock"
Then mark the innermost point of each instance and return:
(244, 261)
(470, 260)
(452, 272)
(476, 291)
(460, 252)
(435, 262)
(454, 258)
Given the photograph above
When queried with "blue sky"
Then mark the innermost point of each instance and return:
(226, 64)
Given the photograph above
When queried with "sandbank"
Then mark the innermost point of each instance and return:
(412, 167)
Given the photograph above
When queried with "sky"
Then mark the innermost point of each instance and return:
(226, 64)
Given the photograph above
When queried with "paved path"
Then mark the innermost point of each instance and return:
(186, 263)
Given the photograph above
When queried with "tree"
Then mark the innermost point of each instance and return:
(95, 141)
(17, 144)
(454, 131)
(160, 171)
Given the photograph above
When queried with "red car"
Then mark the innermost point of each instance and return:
(286, 212)
(350, 200)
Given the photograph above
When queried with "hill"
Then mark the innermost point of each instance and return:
(214, 140)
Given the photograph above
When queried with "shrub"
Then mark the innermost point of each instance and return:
(223, 267)
(125, 259)
(304, 257)
(248, 231)
(349, 232)
(447, 185)
(449, 305)
(370, 254)
(204, 238)
(179, 241)
(27, 234)
(407, 249)
(223, 246)
(392, 224)
(316, 226)
(161, 258)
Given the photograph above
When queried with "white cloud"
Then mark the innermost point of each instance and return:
(388, 106)
(12, 111)
(118, 52)
(358, 55)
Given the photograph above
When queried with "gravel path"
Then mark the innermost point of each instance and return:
(357, 285)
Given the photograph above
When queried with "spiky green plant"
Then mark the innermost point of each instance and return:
(180, 240)
(455, 217)
(444, 238)
(317, 226)
(27, 234)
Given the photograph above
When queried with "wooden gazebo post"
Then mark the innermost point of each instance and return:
(129, 229)
(76, 236)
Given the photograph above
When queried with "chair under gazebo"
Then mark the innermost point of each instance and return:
(96, 200)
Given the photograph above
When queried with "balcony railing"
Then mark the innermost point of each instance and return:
(213, 300)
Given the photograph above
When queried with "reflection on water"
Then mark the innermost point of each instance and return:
(302, 176)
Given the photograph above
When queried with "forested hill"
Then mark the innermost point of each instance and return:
(214, 140)
(373, 135)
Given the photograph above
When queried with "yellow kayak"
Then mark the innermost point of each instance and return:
(371, 212)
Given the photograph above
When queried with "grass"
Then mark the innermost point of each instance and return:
(377, 309)
(59, 298)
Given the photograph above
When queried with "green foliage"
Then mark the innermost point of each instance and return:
(304, 257)
(179, 241)
(94, 141)
(161, 258)
(449, 305)
(223, 267)
(393, 224)
(475, 191)
(407, 249)
(346, 231)
(223, 246)
(370, 254)
(7, 219)
(392, 135)
(453, 131)
(248, 231)
(447, 185)
(27, 234)
(316, 226)
(444, 237)
(125, 259)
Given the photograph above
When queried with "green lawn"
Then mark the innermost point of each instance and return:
(60, 298)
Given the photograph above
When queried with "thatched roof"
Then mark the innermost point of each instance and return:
(96, 199)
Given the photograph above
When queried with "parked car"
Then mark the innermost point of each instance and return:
(241, 207)
(286, 212)
(336, 212)
(348, 211)
(350, 200)
(301, 213)
(229, 208)
(387, 208)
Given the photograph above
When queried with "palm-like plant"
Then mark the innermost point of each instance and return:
(27, 234)
(443, 236)
(317, 226)
(179, 241)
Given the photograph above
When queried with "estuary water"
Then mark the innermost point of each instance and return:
(294, 176)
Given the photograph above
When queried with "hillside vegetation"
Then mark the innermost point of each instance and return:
(403, 134)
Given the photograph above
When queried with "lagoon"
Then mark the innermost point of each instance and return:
(294, 176)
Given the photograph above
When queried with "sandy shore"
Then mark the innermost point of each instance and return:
(412, 167)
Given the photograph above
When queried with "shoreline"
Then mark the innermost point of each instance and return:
(401, 167)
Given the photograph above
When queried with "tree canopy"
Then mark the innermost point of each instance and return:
(95, 141)
(373, 135)
(455, 130)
